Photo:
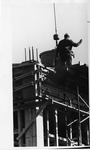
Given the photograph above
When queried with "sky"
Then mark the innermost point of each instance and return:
(32, 24)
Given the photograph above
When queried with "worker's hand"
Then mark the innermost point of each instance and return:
(80, 41)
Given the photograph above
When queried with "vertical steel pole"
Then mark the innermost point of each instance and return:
(48, 140)
(29, 54)
(66, 127)
(87, 135)
(66, 120)
(32, 53)
(25, 54)
(79, 124)
(36, 54)
(56, 121)
(70, 126)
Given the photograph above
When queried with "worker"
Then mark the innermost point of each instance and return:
(64, 50)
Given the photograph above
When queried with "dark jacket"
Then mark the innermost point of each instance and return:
(64, 49)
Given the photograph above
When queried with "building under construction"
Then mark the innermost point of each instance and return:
(50, 106)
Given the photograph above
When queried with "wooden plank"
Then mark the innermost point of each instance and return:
(23, 76)
(26, 75)
(27, 85)
(29, 105)
(23, 86)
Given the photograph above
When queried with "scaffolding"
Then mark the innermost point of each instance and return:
(59, 97)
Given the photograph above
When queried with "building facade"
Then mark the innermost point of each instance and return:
(50, 107)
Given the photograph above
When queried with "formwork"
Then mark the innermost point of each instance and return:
(50, 107)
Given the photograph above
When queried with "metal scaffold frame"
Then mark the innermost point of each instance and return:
(45, 101)
(79, 118)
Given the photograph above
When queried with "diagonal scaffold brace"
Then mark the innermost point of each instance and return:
(32, 120)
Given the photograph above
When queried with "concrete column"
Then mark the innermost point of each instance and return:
(20, 127)
(34, 129)
(40, 134)
(30, 135)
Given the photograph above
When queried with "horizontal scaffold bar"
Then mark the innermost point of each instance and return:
(29, 105)
(26, 75)
(27, 85)
(70, 107)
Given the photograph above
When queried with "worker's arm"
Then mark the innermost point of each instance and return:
(79, 42)
(76, 44)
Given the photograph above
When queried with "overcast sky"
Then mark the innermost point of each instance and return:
(32, 24)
